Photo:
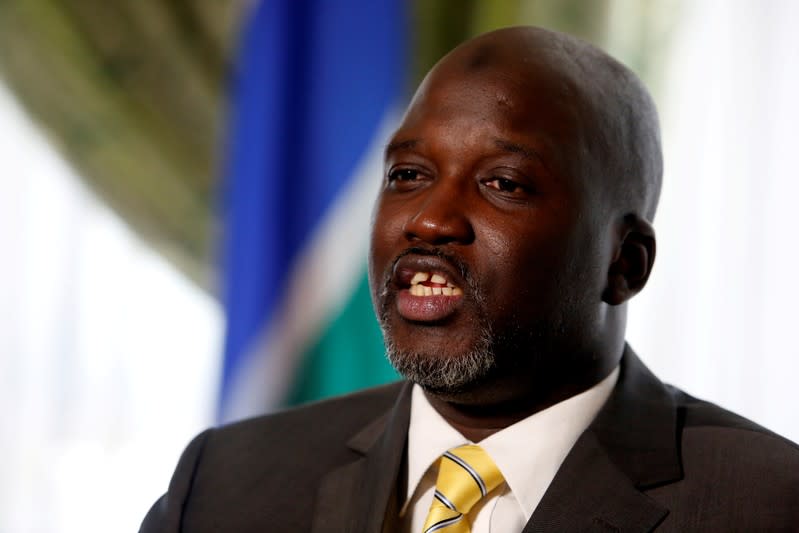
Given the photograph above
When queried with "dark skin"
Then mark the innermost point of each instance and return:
(493, 168)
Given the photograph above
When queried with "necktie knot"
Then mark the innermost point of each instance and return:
(466, 474)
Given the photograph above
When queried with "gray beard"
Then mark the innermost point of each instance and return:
(444, 374)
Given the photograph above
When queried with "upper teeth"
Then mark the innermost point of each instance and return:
(422, 290)
(419, 277)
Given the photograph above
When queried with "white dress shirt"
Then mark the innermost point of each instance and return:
(528, 454)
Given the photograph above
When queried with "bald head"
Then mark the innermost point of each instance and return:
(612, 111)
(523, 175)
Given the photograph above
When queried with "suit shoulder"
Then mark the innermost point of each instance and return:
(279, 458)
(717, 440)
(319, 429)
(735, 474)
(337, 415)
(707, 417)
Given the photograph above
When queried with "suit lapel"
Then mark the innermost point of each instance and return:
(631, 445)
(354, 497)
(590, 493)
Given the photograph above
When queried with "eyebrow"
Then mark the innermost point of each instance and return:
(401, 145)
(526, 151)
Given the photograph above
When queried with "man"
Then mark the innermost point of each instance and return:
(513, 225)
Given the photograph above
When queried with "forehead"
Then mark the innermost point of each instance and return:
(528, 101)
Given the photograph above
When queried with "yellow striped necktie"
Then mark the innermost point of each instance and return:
(465, 475)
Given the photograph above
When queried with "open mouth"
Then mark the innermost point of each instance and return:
(432, 284)
(429, 288)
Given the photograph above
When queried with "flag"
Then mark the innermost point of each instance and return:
(316, 95)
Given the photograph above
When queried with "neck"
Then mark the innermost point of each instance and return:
(476, 422)
(502, 402)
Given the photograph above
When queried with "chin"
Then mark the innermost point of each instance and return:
(452, 368)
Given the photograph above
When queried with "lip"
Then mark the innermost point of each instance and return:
(428, 309)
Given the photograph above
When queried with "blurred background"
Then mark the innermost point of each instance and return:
(184, 207)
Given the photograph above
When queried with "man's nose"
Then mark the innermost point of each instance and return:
(441, 218)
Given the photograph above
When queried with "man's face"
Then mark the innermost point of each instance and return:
(484, 254)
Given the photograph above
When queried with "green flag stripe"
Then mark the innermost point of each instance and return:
(348, 355)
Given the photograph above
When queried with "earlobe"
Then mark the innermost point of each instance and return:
(632, 262)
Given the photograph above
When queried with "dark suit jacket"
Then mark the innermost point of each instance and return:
(654, 458)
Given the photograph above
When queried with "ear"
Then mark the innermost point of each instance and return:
(632, 261)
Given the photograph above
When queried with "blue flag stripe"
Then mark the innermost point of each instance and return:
(313, 83)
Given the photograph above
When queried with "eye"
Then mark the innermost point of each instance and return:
(505, 185)
(403, 174)
(406, 179)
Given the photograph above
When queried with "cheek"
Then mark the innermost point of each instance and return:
(528, 264)
(385, 228)
(386, 232)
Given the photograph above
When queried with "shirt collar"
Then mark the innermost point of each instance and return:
(528, 453)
